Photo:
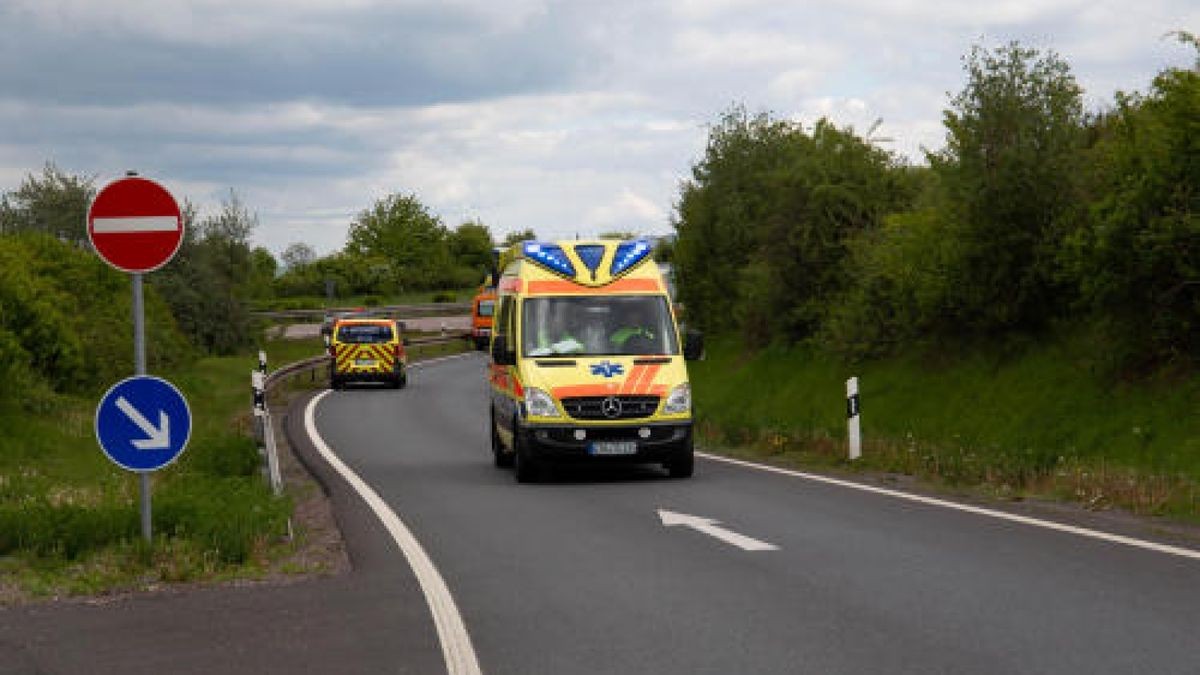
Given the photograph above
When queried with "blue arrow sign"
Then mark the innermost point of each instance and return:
(143, 423)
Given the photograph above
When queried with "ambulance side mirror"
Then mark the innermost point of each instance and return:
(693, 345)
(501, 356)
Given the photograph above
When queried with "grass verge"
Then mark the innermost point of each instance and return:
(69, 519)
(1039, 421)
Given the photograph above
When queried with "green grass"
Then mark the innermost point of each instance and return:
(69, 518)
(1039, 420)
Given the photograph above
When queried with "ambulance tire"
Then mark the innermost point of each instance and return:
(525, 468)
(335, 382)
(502, 459)
(684, 463)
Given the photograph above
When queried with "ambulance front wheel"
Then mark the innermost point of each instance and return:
(683, 465)
(503, 460)
(525, 467)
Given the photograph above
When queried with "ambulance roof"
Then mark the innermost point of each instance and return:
(579, 265)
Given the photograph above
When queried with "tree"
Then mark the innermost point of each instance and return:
(297, 255)
(54, 203)
(1010, 175)
(1137, 259)
(263, 268)
(519, 236)
(211, 277)
(401, 231)
(719, 209)
(618, 234)
(763, 223)
(471, 246)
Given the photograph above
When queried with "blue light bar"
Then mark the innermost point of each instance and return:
(550, 256)
(590, 255)
(629, 254)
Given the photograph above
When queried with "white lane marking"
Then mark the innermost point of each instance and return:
(457, 650)
(1001, 515)
(709, 526)
(135, 224)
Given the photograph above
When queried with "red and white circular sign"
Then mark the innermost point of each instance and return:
(135, 224)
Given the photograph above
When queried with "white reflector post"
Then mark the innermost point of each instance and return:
(853, 415)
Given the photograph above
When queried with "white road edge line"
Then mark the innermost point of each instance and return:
(457, 650)
(1001, 515)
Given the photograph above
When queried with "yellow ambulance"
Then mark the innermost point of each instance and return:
(586, 360)
(367, 350)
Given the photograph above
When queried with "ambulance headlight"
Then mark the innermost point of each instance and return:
(539, 404)
(679, 400)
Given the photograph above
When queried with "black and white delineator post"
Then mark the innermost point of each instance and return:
(258, 385)
(853, 415)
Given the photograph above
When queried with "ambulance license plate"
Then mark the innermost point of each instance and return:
(613, 448)
(365, 363)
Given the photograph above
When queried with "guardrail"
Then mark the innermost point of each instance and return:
(390, 311)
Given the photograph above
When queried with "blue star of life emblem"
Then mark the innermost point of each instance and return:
(607, 369)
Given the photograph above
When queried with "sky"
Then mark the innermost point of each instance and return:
(569, 118)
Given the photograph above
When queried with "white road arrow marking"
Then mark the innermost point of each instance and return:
(160, 437)
(709, 526)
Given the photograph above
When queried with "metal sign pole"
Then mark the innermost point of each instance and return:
(139, 366)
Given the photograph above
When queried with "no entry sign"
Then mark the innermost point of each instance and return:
(135, 224)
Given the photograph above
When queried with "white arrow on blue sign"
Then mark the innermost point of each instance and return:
(143, 423)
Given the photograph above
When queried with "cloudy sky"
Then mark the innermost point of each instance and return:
(565, 117)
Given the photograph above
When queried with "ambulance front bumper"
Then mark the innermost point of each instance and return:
(633, 442)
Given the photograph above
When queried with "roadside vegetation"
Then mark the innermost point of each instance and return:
(1029, 421)
(1024, 310)
(69, 518)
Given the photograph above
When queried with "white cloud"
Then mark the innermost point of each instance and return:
(600, 143)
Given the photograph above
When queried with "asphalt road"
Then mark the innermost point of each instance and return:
(580, 575)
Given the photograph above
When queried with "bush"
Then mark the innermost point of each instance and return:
(901, 286)
(72, 341)
(226, 455)
(444, 296)
(65, 531)
(1135, 261)
(225, 515)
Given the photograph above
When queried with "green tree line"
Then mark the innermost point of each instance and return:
(1034, 216)
(65, 314)
(395, 246)
(205, 286)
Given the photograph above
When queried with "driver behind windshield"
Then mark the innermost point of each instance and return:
(635, 334)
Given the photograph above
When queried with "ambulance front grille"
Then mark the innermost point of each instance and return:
(593, 407)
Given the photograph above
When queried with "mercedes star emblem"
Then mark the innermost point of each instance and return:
(611, 407)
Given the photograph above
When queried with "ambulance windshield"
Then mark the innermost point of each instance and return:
(597, 326)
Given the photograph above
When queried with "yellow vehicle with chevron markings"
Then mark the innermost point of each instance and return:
(586, 360)
(367, 350)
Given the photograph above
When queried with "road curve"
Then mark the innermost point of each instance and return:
(581, 576)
